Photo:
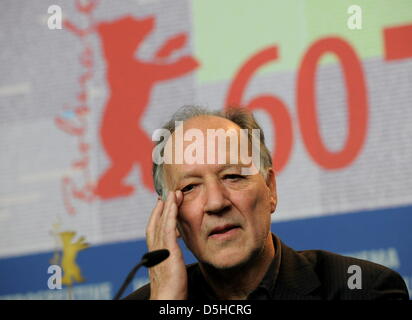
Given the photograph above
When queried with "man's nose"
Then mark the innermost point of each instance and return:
(217, 201)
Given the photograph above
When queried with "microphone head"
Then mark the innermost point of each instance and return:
(153, 258)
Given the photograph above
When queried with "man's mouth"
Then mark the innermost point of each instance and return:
(224, 231)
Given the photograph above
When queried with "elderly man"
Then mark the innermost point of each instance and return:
(222, 210)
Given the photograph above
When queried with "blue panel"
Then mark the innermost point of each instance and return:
(110, 263)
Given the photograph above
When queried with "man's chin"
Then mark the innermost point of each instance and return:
(228, 261)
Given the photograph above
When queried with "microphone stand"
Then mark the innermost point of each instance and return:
(127, 281)
(150, 259)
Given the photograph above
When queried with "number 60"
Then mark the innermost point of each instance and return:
(306, 104)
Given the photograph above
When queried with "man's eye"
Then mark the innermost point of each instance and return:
(187, 188)
(233, 176)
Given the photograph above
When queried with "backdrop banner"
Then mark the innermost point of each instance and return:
(85, 84)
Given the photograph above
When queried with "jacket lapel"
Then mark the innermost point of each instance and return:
(297, 279)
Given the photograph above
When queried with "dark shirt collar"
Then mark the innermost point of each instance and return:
(200, 290)
(265, 289)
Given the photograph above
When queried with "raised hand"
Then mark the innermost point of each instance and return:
(168, 280)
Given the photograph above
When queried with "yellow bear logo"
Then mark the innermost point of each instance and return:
(67, 259)
(71, 270)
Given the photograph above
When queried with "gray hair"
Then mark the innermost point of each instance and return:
(240, 116)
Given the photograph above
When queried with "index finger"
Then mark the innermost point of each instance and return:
(154, 217)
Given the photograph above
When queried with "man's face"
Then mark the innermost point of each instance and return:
(224, 218)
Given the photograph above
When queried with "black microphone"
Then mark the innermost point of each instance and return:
(152, 258)
(148, 260)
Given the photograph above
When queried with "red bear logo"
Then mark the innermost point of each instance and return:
(131, 82)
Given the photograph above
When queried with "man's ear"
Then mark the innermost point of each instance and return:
(271, 184)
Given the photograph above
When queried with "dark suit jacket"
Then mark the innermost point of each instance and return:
(321, 275)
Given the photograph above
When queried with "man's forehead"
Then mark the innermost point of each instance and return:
(206, 144)
(181, 172)
(205, 122)
(206, 134)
